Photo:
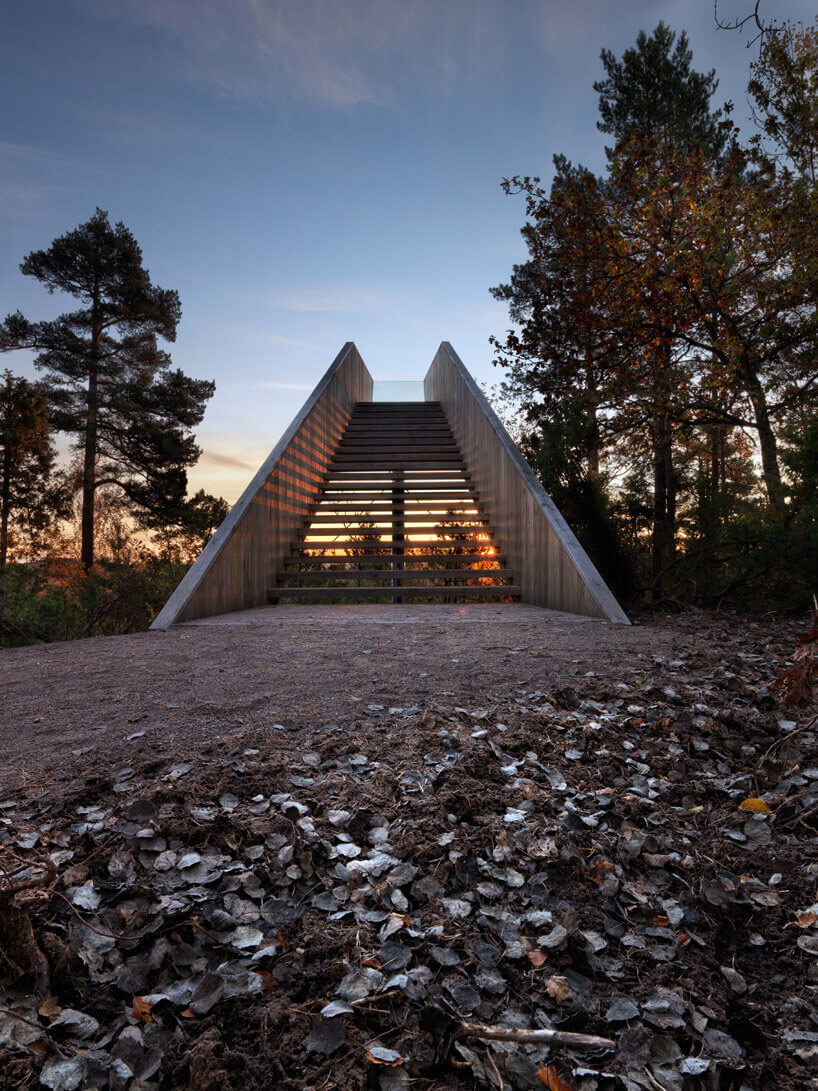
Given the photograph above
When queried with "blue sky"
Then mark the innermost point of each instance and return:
(306, 172)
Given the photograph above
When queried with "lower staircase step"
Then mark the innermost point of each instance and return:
(398, 574)
(416, 591)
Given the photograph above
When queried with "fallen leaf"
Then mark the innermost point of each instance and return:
(598, 866)
(558, 988)
(803, 918)
(536, 958)
(548, 1075)
(660, 920)
(50, 1008)
(757, 806)
(188, 1014)
(379, 1055)
(142, 1010)
(325, 1036)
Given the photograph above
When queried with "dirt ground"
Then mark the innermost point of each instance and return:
(184, 687)
(303, 848)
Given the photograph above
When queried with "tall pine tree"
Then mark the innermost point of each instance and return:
(112, 386)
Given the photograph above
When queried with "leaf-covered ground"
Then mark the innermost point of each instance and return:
(627, 852)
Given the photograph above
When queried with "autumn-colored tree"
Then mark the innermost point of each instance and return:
(784, 90)
(685, 283)
(599, 318)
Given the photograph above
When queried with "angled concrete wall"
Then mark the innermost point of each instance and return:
(549, 563)
(239, 562)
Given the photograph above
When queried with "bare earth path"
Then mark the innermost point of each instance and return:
(311, 849)
(323, 665)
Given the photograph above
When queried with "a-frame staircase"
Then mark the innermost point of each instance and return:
(396, 518)
(364, 500)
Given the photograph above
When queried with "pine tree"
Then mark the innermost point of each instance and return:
(653, 93)
(32, 496)
(112, 386)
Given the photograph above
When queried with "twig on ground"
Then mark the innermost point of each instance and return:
(11, 886)
(531, 1037)
(500, 1083)
(22, 1019)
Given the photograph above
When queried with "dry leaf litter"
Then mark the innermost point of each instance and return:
(326, 905)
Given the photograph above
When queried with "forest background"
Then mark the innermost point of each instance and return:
(660, 375)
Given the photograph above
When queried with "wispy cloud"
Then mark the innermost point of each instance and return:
(215, 458)
(342, 53)
(31, 178)
(333, 299)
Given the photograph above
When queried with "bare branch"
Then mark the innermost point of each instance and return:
(530, 1037)
(754, 19)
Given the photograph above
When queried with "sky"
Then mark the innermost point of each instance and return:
(310, 172)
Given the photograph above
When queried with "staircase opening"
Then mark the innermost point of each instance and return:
(396, 517)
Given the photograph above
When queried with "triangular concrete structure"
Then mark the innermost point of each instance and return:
(470, 450)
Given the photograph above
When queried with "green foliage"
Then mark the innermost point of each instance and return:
(181, 533)
(559, 453)
(32, 495)
(55, 600)
(654, 93)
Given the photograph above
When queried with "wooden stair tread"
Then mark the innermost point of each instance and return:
(400, 574)
(407, 519)
(385, 534)
(406, 558)
(387, 503)
(423, 591)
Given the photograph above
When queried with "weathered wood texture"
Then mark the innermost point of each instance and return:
(239, 562)
(552, 568)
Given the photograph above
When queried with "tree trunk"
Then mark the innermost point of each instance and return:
(89, 468)
(89, 473)
(659, 508)
(670, 478)
(5, 505)
(767, 443)
(715, 459)
(593, 423)
(664, 501)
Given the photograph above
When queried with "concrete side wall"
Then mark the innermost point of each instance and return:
(239, 562)
(550, 565)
